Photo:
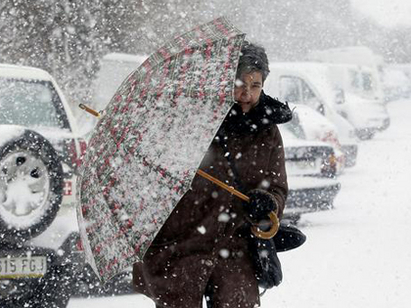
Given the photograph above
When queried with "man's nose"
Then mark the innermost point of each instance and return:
(246, 95)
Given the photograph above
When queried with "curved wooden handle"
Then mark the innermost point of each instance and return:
(266, 235)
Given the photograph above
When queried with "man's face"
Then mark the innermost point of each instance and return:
(248, 89)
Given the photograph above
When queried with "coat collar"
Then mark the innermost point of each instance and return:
(265, 114)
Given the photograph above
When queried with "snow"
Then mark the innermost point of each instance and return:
(123, 57)
(356, 255)
(10, 132)
(17, 71)
(393, 13)
(62, 226)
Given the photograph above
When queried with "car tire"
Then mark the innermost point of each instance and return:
(31, 186)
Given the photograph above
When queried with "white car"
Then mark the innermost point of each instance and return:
(40, 152)
(311, 171)
(320, 86)
(308, 124)
(308, 84)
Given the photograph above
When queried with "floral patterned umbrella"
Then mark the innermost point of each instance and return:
(147, 146)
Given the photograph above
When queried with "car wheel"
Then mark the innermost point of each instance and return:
(31, 186)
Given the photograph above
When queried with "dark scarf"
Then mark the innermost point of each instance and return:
(268, 112)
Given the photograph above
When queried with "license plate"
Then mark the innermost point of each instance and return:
(303, 167)
(20, 267)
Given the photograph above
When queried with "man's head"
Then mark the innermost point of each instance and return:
(251, 73)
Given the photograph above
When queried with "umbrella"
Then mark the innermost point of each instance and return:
(146, 148)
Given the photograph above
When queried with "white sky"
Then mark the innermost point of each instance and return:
(390, 13)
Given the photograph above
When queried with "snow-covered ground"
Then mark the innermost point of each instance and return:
(356, 255)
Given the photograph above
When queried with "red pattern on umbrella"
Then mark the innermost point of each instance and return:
(147, 147)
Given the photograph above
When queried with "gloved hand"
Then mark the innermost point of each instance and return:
(260, 205)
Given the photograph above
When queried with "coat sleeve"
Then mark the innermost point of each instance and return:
(276, 176)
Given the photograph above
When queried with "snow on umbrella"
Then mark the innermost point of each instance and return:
(146, 149)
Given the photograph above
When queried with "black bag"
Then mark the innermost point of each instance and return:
(288, 237)
(267, 266)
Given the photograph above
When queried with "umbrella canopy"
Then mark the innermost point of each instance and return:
(146, 148)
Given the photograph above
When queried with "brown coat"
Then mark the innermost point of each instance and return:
(200, 243)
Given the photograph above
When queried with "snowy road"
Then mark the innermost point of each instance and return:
(357, 255)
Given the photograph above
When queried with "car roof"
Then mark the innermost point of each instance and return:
(124, 57)
(23, 72)
(37, 74)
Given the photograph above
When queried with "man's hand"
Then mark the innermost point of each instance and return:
(260, 205)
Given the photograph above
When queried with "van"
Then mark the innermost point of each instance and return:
(314, 84)
(114, 68)
(308, 84)
(366, 78)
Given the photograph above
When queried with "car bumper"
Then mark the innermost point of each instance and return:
(310, 194)
(19, 288)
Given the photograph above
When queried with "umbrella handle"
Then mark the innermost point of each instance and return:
(275, 223)
(266, 235)
(231, 189)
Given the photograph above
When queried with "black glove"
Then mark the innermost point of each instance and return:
(261, 204)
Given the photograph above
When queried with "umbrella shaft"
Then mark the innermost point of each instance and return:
(223, 185)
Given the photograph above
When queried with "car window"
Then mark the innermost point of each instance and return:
(308, 94)
(355, 79)
(31, 104)
(367, 82)
(290, 89)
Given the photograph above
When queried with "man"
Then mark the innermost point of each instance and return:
(202, 249)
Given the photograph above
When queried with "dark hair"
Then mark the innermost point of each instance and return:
(252, 59)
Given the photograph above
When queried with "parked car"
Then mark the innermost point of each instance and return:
(367, 77)
(362, 97)
(323, 86)
(308, 124)
(311, 171)
(40, 152)
(307, 84)
(114, 69)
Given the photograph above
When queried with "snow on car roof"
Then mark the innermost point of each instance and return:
(290, 140)
(26, 72)
(317, 73)
(123, 57)
(308, 116)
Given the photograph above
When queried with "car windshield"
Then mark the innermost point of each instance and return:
(294, 127)
(31, 104)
